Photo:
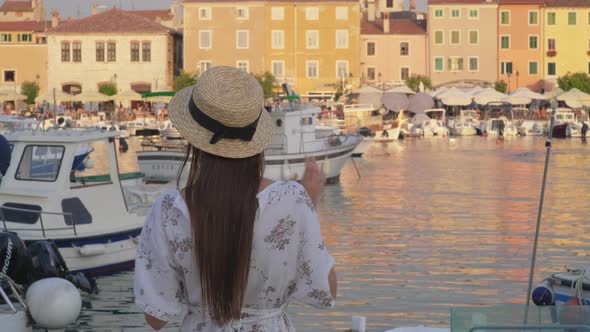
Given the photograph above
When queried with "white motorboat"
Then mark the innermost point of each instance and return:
(95, 222)
(567, 124)
(295, 137)
(436, 125)
(525, 125)
(495, 113)
(465, 124)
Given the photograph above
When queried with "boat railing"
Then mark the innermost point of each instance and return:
(40, 215)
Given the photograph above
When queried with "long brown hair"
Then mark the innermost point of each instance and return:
(221, 199)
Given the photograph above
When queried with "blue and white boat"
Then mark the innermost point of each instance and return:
(560, 288)
(94, 222)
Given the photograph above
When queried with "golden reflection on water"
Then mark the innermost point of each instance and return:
(431, 224)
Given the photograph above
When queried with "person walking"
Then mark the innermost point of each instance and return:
(232, 247)
(584, 130)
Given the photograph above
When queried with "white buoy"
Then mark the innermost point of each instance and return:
(89, 163)
(54, 303)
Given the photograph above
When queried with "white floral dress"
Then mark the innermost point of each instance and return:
(288, 262)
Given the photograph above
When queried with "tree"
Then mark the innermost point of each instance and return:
(184, 80)
(267, 82)
(501, 86)
(31, 90)
(578, 80)
(109, 89)
(413, 82)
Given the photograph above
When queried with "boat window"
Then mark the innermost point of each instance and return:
(92, 163)
(279, 122)
(306, 121)
(40, 163)
(74, 210)
(20, 213)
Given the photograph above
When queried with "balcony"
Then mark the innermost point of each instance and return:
(551, 53)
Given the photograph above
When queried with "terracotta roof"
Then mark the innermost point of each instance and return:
(25, 26)
(568, 3)
(521, 2)
(111, 21)
(396, 27)
(163, 14)
(450, 2)
(16, 6)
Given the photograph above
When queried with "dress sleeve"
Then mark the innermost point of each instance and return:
(157, 284)
(313, 260)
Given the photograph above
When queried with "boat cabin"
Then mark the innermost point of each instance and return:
(564, 115)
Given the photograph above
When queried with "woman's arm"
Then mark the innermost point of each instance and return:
(333, 281)
(155, 323)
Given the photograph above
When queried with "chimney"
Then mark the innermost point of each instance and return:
(371, 10)
(94, 8)
(412, 5)
(386, 22)
(54, 18)
(176, 15)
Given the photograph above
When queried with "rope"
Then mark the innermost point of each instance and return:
(15, 288)
(578, 284)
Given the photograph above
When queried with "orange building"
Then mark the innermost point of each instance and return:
(520, 43)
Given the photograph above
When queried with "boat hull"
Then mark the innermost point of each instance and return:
(463, 131)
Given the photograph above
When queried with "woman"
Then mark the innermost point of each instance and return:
(232, 247)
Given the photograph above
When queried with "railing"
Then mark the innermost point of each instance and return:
(40, 216)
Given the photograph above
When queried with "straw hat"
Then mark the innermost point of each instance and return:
(223, 114)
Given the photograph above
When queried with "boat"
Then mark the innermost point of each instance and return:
(435, 124)
(465, 124)
(495, 113)
(560, 288)
(525, 125)
(566, 124)
(94, 222)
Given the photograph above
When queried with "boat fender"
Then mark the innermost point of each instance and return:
(54, 303)
(89, 163)
(543, 294)
(92, 249)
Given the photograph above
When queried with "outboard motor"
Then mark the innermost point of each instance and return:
(5, 154)
(14, 261)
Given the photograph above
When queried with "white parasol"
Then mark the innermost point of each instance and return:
(368, 89)
(90, 96)
(455, 97)
(575, 97)
(60, 96)
(401, 89)
(128, 95)
(489, 95)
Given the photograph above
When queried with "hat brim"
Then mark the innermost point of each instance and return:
(199, 137)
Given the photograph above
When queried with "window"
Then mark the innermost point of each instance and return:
(9, 76)
(438, 13)
(455, 37)
(551, 44)
(204, 39)
(533, 42)
(65, 52)
(389, 4)
(100, 52)
(533, 68)
(473, 13)
(370, 73)
(205, 13)
(455, 13)
(455, 64)
(533, 17)
(404, 48)
(551, 19)
(243, 65)
(342, 69)
(473, 37)
(278, 68)
(506, 68)
(76, 52)
(588, 18)
(438, 63)
(74, 209)
(278, 13)
(371, 48)
(311, 39)
(278, 39)
(146, 52)
(312, 13)
(341, 38)
(504, 42)
(111, 52)
(6, 37)
(24, 37)
(505, 17)
(571, 18)
(242, 39)
(473, 63)
(134, 51)
(342, 13)
(551, 69)
(242, 13)
(311, 69)
(404, 73)
(204, 66)
(40, 163)
(11, 213)
(438, 37)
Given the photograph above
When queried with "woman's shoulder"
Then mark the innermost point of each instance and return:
(285, 193)
(169, 203)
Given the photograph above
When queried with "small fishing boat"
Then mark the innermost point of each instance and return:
(435, 124)
(566, 124)
(496, 113)
(560, 288)
(465, 124)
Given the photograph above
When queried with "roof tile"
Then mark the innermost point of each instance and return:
(16, 6)
(396, 27)
(25, 26)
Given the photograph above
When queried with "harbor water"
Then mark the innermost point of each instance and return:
(430, 224)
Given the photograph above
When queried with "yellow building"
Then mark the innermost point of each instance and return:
(310, 45)
(11, 10)
(566, 31)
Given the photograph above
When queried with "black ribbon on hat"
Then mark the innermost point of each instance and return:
(220, 130)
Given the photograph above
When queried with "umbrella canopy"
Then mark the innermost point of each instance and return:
(439, 91)
(12, 96)
(455, 97)
(517, 100)
(419, 119)
(159, 97)
(488, 95)
(128, 95)
(401, 89)
(60, 96)
(90, 96)
(575, 97)
(395, 101)
(373, 98)
(477, 89)
(525, 92)
(553, 93)
(368, 89)
(420, 102)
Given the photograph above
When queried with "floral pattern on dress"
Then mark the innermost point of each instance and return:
(280, 236)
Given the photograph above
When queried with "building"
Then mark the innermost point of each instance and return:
(114, 46)
(11, 10)
(312, 46)
(393, 48)
(520, 41)
(566, 42)
(463, 41)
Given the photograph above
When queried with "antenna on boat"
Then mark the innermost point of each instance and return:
(540, 211)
